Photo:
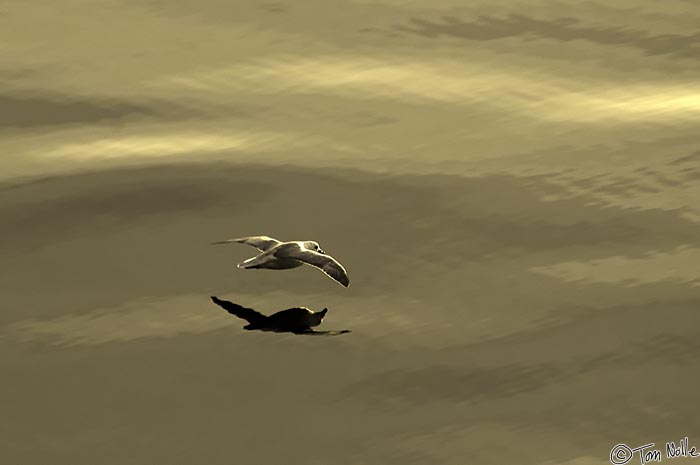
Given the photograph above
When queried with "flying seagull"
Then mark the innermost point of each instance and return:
(276, 255)
(297, 320)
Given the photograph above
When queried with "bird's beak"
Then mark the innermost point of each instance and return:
(321, 251)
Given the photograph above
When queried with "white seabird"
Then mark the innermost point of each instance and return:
(277, 255)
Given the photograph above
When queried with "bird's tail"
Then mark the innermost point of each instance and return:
(251, 263)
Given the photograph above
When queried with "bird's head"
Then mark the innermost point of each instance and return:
(317, 317)
(313, 245)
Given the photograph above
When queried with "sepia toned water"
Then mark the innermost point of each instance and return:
(512, 186)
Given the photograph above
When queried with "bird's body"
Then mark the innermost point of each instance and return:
(277, 255)
(268, 262)
(298, 320)
(297, 317)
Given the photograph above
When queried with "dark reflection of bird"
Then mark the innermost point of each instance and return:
(298, 320)
(277, 255)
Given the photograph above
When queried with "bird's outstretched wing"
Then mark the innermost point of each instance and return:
(323, 262)
(248, 314)
(262, 243)
(311, 332)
